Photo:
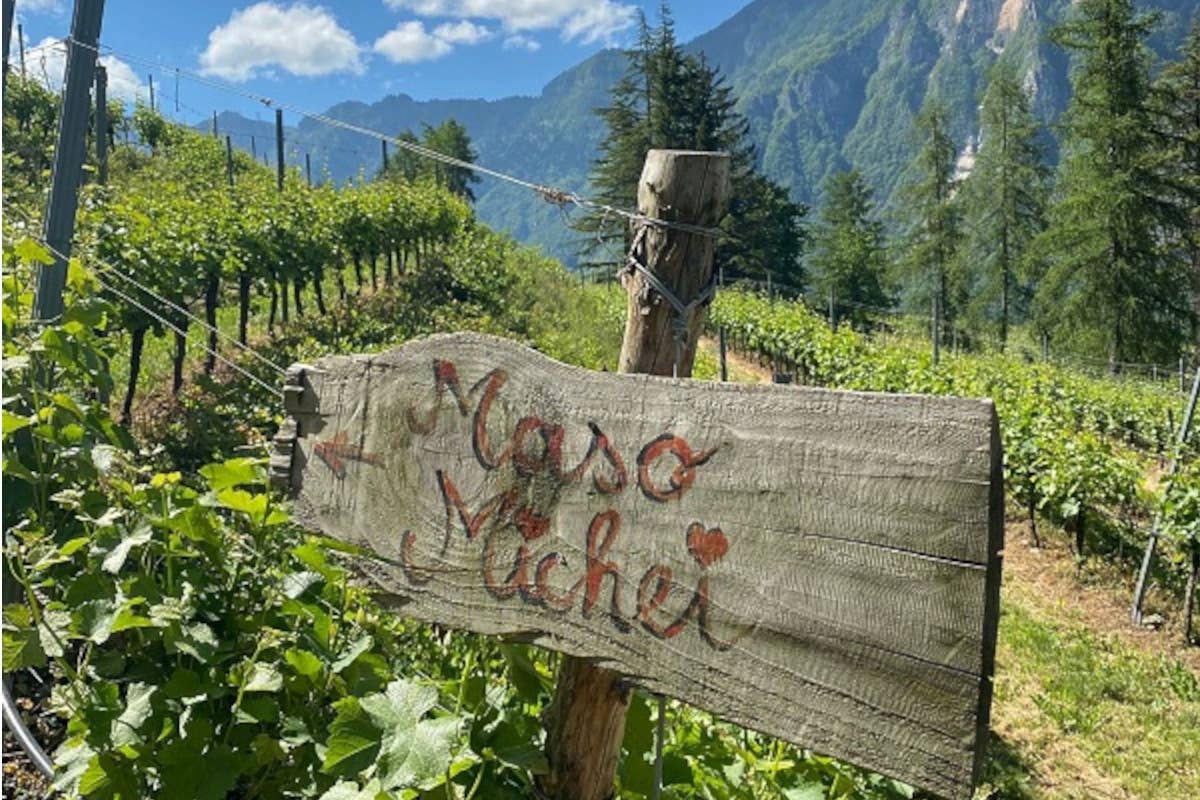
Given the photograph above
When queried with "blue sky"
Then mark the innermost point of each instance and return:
(313, 55)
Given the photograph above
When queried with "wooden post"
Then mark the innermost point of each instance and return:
(101, 125)
(937, 329)
(216, 133)
(308, 168)
(832, 312)
(1189, 596)
(9, 13)
(151, 92)
(383, 144)
(253, 148)
(21, 48)
(279, 148)
(586, 718)
(69, 153)
(724, 348)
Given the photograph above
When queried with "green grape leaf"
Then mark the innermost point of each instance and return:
(354, 740)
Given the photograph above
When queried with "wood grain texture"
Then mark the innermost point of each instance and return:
(586, 718)
(821, 566)
(676, 186)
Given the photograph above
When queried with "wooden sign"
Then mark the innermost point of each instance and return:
(821, 566)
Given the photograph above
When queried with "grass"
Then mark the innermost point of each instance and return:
(1083, 714)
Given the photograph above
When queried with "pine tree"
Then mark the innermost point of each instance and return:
(848, 249)
(1179, 95)
(1110, 283)
(451, 139)
(1003, 200)
(669, 98)
(927, 267)
(405, 164)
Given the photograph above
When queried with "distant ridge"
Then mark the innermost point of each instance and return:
(824, 84)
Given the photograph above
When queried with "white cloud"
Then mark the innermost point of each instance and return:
(301, 39)
(123, 82)
(462, 32)
(47, 62)
(521, 42)
(39, 6)
(586, 20)
(409, 42)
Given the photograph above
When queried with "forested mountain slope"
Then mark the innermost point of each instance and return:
(825, 84)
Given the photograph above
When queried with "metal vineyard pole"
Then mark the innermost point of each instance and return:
(9, 9)
(1143, 579)
(101, 125)
(69, 153)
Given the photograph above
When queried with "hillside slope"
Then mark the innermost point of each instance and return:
(825, 84)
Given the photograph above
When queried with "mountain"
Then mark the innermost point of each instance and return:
(825, 84)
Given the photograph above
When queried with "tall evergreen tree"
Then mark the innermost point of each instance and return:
(669, 98)
(1110, 283)
(847, 253)
(1003, 200)
(449, 138)
(1179, 93)
(927, 266)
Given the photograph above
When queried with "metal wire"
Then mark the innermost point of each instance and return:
(548, 193)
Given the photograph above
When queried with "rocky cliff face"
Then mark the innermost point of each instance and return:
(826, 84)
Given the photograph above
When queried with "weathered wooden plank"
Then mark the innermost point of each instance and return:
(822, 566)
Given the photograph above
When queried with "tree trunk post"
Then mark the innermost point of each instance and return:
(586, 719)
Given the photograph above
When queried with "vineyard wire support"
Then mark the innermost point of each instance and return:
(69, 152)
(101, 125)
(1143, 578)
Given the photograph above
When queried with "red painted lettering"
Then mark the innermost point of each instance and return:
(471, 523)
(608, 522)
(681, 478)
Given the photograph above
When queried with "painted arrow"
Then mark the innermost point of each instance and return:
(334, 450)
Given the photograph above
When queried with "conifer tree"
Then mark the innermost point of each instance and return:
(669, 98)
(1003, 200)
(1110, 283)
(927, 266)
(847, 254)
(1179, 94)
(449, 138)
